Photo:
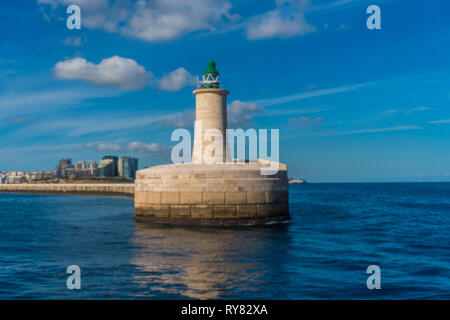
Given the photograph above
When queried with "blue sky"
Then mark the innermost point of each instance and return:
(352, 104)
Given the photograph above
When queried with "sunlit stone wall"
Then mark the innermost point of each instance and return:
(220, 194)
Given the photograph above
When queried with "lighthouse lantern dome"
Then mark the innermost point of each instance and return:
(211, 76)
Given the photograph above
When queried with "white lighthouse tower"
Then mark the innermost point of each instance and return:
(210, 114)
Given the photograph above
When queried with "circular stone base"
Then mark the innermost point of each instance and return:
(213, 195)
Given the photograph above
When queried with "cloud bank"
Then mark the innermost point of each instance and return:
(134, 146)
(286, 21)
(166, 20)
(117, 72)
(151, 21)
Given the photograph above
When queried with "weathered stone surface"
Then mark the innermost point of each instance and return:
(170, 198)
(180, 211)
(146, 211)
(161, 211)
(213, 197)
(246, 210)
(140, 197)
(218, 193)
(191, 197)
(212, 222)
(236, 197)
(202, 211)
(264, 210)
(256, 197)
(225, 211)
(152, 197)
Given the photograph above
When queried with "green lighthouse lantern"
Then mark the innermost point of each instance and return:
(211, 76)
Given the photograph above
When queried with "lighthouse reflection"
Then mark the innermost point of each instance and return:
(200, 263)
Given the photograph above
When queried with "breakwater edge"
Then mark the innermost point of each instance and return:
(112, 189)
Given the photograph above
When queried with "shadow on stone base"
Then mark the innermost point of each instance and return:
(214, 222)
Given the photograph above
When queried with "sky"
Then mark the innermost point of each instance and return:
(351, 104)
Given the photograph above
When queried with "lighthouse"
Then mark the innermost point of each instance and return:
(210, 114)
(219, 193)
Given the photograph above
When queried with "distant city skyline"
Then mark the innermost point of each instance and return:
(352, 104)
(108, 166)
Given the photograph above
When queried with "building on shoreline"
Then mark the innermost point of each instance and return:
(127, 167)
(109, 166)
(115, 161)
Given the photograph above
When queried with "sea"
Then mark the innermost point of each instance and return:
(336, 232)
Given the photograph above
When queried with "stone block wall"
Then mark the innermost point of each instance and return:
(231, 194)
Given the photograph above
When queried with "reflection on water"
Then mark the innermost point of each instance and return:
(199, 263)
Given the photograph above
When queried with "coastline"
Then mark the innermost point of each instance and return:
(106, 189)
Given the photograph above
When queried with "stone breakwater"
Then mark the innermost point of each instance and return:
(116, 189)
(212, 195)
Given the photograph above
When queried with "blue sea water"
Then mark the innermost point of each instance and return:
(336, 232)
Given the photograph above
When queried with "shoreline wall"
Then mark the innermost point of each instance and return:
(110, 189)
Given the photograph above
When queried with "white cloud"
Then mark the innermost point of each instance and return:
(114, 72)
(134, 146)
(165, 20)
(240, 114)
(422, 108)
(148, 147)
(107, 146)
(407, 111)
(162, 20)
(309, 94)
(287, 20)
(273, 24)
(439, 121)
(176, 80)
(399, 128)
(152, 21)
